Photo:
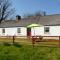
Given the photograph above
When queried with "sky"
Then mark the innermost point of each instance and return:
(31, 6)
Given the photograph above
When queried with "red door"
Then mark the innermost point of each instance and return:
(28, 31)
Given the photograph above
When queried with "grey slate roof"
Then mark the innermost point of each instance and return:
(44, 20)
(50, 20)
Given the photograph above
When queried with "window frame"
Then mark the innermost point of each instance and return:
(18, 30)
(46, 30)
(3, 30)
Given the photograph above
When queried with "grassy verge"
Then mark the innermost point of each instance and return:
(27, 52)
(23, 50)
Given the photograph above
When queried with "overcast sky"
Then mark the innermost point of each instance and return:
(31, 6)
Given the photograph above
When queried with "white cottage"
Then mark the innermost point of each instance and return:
(50, 26)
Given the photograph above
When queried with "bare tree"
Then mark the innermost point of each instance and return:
(5, 10)
(40, 13)
(36, 14)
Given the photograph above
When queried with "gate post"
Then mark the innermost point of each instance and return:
(33, 40)
(59, 41)
(13, 39)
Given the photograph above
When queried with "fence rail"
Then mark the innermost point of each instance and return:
(41, 40)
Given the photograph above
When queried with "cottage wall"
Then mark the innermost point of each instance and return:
(53, 31)
(13, 31)
(37, 31)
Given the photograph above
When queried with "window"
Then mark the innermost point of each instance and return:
(3, 30)
(46, 29)
(18, 30)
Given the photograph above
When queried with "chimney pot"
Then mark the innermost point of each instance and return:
(18, 17)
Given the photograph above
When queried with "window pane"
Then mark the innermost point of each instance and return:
(46, 29)
(18, 30)
(3, 30)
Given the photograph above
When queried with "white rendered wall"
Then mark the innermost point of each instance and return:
(0, 31)
(54, 31)
(37, 31)
(13, 31)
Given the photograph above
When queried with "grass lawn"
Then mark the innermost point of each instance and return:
(25, 51)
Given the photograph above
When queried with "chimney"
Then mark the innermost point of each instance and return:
(18, 17)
